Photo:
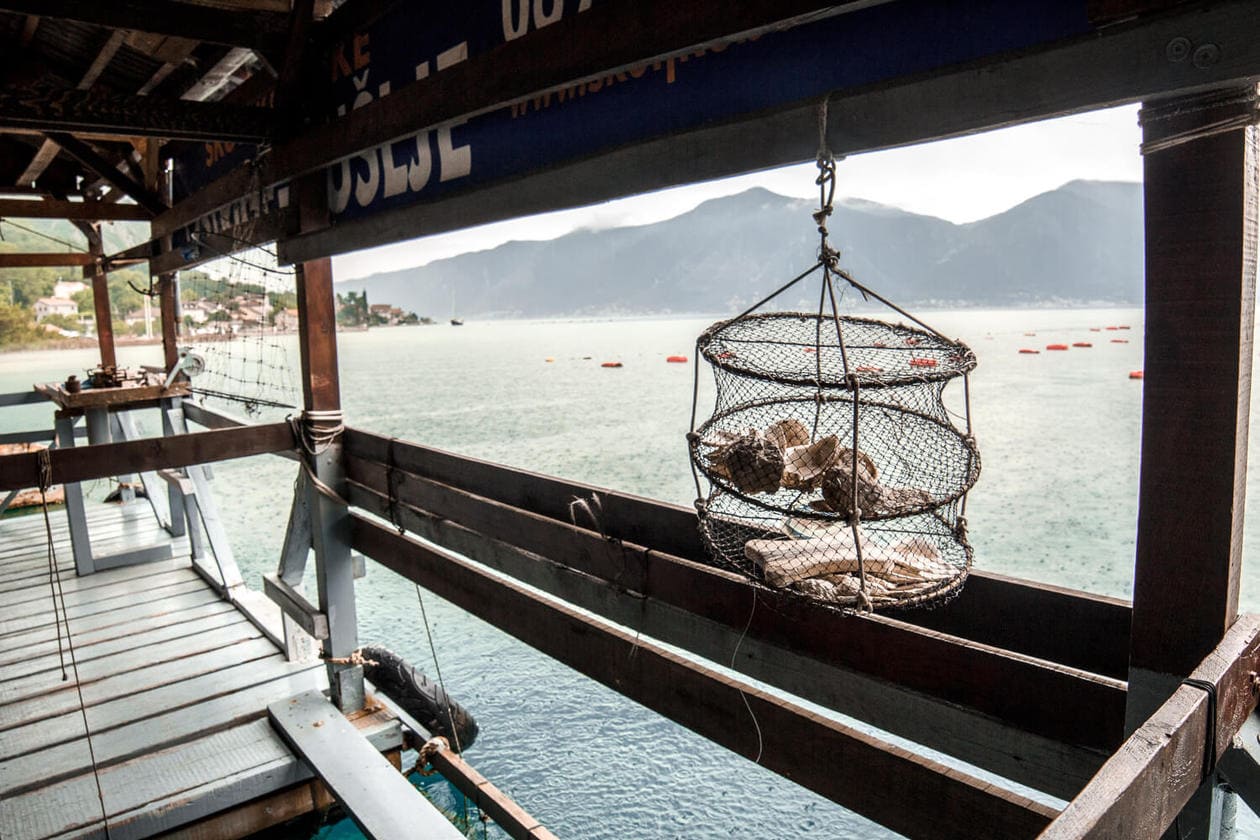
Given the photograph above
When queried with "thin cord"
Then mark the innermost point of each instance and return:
(45, 479)
(450, 716)
(742, 695)
(72, 246)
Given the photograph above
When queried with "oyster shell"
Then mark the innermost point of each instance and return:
(804, 466)
(750, 461)
(788, 433)
(838, 483)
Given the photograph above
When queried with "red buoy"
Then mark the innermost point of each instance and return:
(1081, 344)
(1113, 328)
(1135, 374)
(1095, 329)
(923, 363)
(1030, 350)
(611, 364)
(677, 360)
(1119, 341)
(1124, 326)
(1056, 347)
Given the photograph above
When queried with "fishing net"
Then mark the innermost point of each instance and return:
(239, 316)
(835, 468)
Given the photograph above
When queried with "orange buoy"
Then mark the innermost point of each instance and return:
(549, 359)
(1081, 344)
(1030, 350)
(1135, 374)
(1056, 347)
(677, 360)
(611, 364)
(1113, 328)
(810, 350)
(725, 354)
(1119, 341)
(912, 342)
(924, 363)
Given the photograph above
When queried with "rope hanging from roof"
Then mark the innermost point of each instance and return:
(834, 468)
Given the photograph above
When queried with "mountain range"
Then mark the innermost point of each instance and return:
(1079, 244)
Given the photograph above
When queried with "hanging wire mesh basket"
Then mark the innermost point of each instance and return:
(835, 468)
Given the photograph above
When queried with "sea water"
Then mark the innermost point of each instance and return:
(1059, 434)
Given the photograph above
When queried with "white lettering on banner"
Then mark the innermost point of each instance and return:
(516, 15)
(380, 171)
(541, 18)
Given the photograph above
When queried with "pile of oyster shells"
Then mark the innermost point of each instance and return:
(783, 457)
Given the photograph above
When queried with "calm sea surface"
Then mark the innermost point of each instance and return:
(1056, 502)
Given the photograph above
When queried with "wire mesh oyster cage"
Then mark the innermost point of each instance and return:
(834, 464)
(905, 562)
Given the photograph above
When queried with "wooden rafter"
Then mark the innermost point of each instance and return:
(44, 105)
(46, 260)
(259, 30)
(48, 151)
(81, 210)
(93, 160)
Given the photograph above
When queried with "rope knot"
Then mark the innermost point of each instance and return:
(424, 759)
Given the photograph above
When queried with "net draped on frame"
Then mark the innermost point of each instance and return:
(240, 320)
(834, 468)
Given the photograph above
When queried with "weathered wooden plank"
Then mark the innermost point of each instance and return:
(111, 622)
(115, 666)
(1202, 207)
(35, 564)
(111, 656)
(84, 597)
(849, 767)
(135, 708)
(91, 211)
(510, 817)
(45, 260)
(19, 625)
(20, 590)
(101, 460)
(944, 667)
(1143, 787)
(22, 649)
(1031, 759)
(378, 798)
(57, 763)
(1073, 628)
(59, 702)
(69, 104)
(380, 729)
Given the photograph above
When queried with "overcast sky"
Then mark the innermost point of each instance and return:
(960, 180)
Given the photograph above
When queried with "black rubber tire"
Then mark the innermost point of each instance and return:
(422, 698)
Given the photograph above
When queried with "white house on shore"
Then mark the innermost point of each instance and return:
(55, 306)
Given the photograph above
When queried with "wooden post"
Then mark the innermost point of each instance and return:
(168, 290)
(330, 523)
(1201, 213)
(100, 299)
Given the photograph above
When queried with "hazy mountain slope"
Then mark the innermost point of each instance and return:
(1080, 243)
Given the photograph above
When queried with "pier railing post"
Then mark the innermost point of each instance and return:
(1201, 193)
(330, 523)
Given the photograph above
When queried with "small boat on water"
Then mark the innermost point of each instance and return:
(457, 322)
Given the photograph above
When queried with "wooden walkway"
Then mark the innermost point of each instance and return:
(175, 682)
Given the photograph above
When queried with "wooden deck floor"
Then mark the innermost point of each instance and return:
(175, 684)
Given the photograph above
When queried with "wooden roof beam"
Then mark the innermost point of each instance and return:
(88, 211)
(258, 30)
(93, 160)
(43, 105)
(47, 260)
(48, 151)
